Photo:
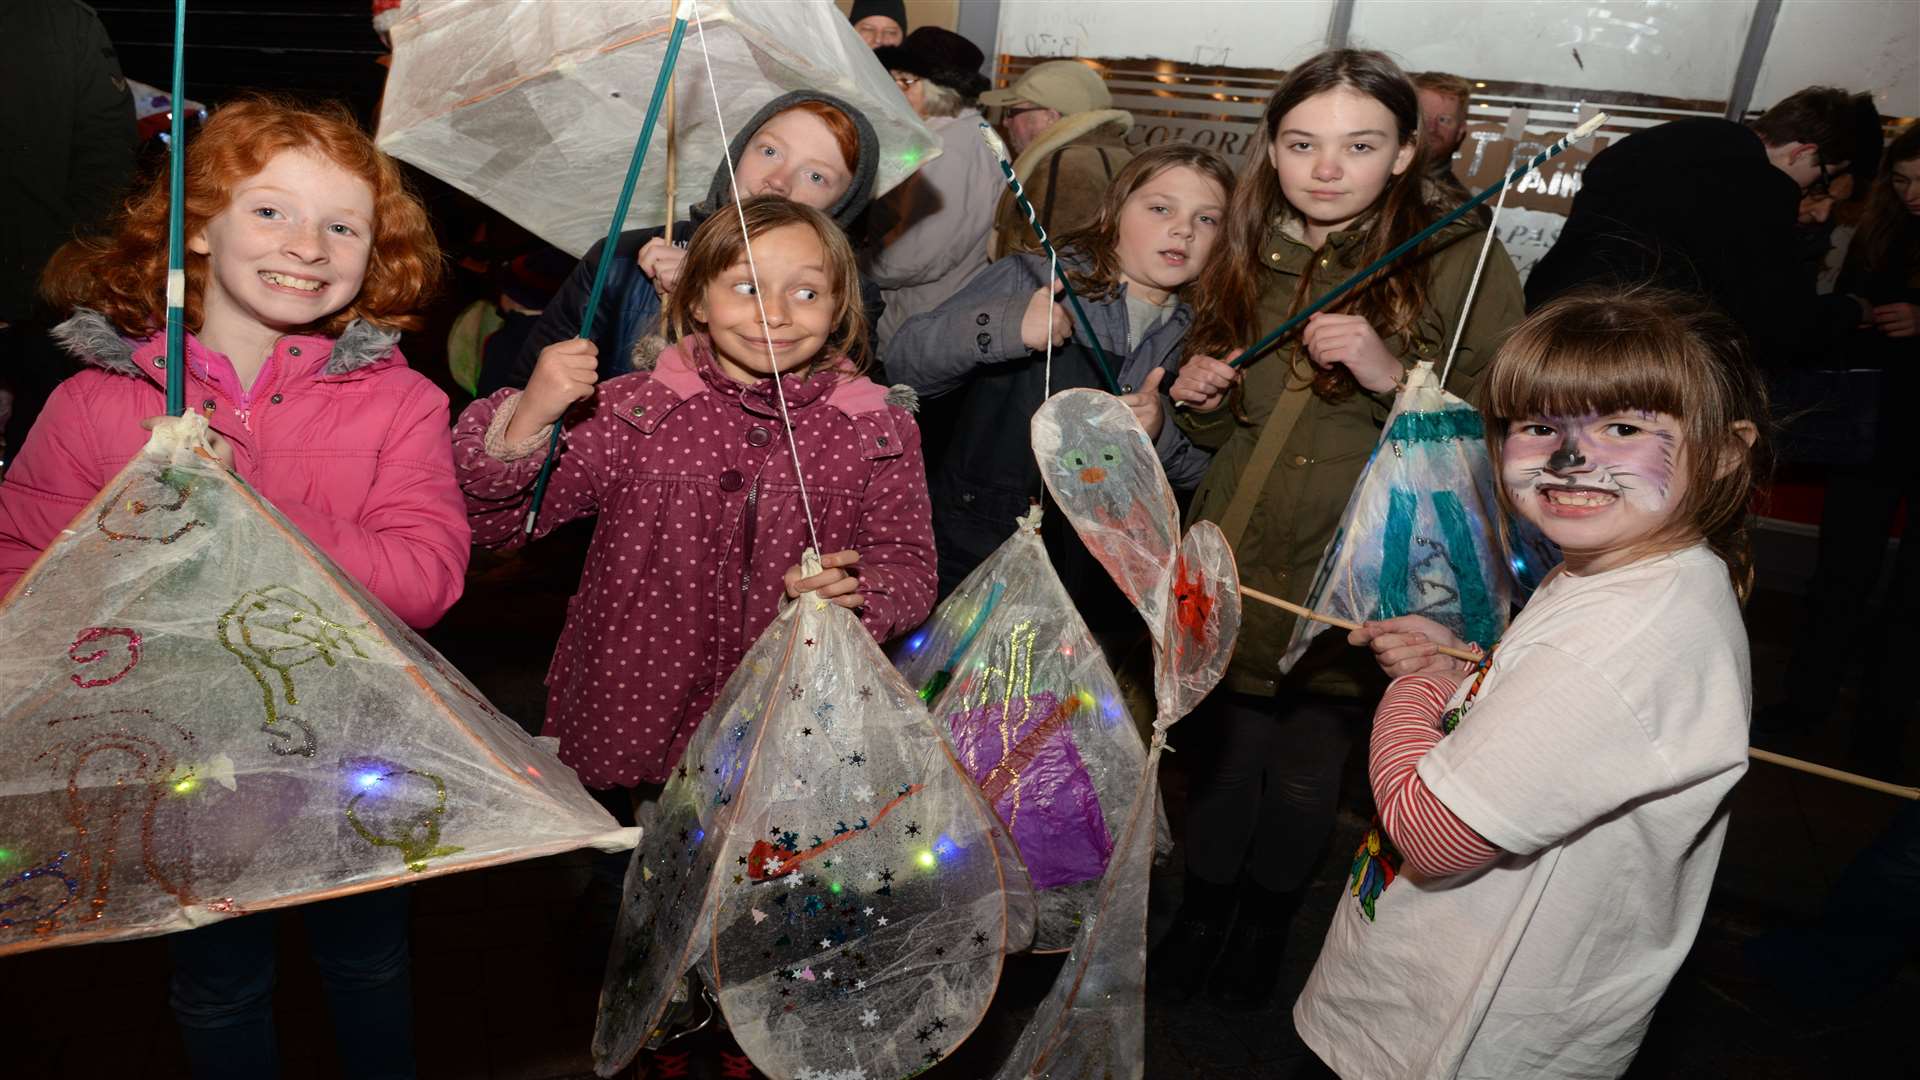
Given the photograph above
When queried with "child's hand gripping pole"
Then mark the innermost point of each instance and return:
(992, 139)
(660, 85)
(1577, 134)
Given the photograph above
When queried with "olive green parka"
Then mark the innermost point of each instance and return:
(1306, 492)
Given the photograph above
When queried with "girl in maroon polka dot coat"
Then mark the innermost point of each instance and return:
(688, 468)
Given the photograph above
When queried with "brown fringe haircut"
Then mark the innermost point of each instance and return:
(718, 245)
(1605, 350)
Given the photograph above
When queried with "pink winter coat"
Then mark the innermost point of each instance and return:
(340, 435)
(699, 516)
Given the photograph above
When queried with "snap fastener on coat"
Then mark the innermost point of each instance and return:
(275, 399)
(758, 436)
(982, 319)
(882, 440)
(293, 350)
(984, 341)
(639, 410)
(731, 480)
(207, 404)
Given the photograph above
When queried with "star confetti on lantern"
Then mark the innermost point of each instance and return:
(865, 693)
(857, 758)
(883, 920)
(863, 793)
(860, 984)
(796, 690)
(913, 828)
(869, 1018)
(809, 643)
(979, 938)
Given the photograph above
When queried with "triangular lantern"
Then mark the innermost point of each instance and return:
(1414, 539)
(1037, 719)
(824, 861)
(203, 716)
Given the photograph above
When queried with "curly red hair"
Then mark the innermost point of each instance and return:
(123, 274)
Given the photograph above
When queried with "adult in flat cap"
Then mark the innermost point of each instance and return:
(879, 22)
(933, 228)
(1061, 123)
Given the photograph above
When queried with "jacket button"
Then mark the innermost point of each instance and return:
(731, 480)
(1126, 388)
(967, 498)
(1299, 459)
(639, 410)
(1273, 256)
(881, 440)
(982, 319)
(293, 350)
(207, 404)
(758, 436)
(275, 399)
(159, 361)
(985, 341)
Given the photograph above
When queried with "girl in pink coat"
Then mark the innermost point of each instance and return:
(688, 468)
(306, 256)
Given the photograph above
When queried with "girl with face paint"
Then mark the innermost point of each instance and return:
(1550, 819)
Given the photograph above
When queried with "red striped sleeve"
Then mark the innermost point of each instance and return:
(1431, 837)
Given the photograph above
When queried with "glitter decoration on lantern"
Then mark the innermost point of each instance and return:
(842, 889)
(145, 649)
(1100, 467)
(1007, 664)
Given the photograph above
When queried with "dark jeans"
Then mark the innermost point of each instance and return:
(1266, 786)
(1860, 506)
(223, 977)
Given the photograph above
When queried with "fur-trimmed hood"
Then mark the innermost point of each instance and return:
(92, 339)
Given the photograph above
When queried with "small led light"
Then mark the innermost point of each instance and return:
(927, 860)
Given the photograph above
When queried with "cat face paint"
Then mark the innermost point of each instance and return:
(1601, 487)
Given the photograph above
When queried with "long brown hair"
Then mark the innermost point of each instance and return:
(1887, 222)
(123, 274)
(1229, 295)
(1099, 239)
(718, 245)
(1598, 351)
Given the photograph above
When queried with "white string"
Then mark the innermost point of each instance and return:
(1053, 269)
(733, 184)
(1474, 285)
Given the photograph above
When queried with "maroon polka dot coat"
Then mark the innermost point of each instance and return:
(691, 478)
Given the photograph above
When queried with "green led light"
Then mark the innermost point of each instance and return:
(927, 860)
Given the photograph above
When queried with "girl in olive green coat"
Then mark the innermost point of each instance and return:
(1334, 183)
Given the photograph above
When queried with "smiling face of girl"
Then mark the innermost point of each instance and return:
(1602, 487)
(797, 292)
(1334, 154)
(290, 249)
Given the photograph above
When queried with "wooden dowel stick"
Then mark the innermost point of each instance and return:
(1830, 773)
(1782, 760)
(670, 155)
(1306, 613)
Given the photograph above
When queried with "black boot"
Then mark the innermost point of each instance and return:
(1177, 969)
(1249, 969)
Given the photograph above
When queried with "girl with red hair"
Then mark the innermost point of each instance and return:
(306, 255)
